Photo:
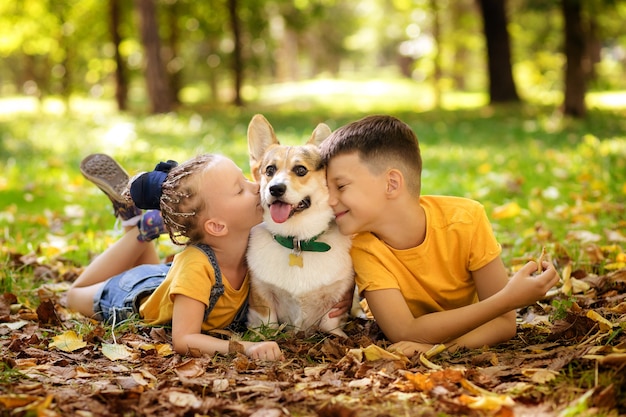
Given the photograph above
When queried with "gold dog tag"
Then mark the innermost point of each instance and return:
(296, 260)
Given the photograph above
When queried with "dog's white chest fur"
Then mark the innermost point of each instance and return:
(271, 262)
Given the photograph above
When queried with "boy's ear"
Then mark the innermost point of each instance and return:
(215, 227)
(395, 182)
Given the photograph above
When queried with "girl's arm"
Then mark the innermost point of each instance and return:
(489, 321)
(187, 333)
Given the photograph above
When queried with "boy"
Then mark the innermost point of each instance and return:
(428, 266)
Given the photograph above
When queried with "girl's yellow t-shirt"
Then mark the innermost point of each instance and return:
(436, 275)
(192, 275)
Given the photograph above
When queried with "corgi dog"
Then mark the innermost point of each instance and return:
(299, 262)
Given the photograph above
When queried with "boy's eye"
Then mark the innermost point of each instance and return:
(270, 170)
(300, 170)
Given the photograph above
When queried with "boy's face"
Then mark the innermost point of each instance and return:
(357, 196)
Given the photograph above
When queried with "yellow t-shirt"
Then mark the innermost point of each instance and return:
(193, 275)
(436, 275)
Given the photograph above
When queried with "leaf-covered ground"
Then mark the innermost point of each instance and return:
(569, 358)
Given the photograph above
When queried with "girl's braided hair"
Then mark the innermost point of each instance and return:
(173, 189)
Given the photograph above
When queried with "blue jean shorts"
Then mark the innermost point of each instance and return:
(120, 296)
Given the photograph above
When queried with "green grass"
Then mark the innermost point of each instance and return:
(544, 179)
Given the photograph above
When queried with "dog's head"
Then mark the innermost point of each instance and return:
(293, 191)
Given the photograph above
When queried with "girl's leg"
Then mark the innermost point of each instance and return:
(123, 255)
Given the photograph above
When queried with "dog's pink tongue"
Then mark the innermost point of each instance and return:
(280, 212)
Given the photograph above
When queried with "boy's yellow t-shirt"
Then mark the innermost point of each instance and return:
(436, 275)
(193, 275)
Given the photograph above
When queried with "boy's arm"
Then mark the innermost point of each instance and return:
(187, 333)
(489, 321)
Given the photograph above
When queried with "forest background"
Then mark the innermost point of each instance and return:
(519, 104)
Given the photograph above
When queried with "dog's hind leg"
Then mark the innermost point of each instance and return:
(333, 326)
(261, 311)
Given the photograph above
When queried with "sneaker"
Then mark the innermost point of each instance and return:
(112, 179)
(151, 226)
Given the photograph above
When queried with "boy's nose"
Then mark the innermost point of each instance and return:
(332, 199)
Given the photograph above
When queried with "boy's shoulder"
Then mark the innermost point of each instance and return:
(446, 210)
(446, 202)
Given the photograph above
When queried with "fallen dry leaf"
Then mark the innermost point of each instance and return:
(68, 341)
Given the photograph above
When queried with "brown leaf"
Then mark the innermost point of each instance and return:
(191, 368)
(335, 410)
(47, 314)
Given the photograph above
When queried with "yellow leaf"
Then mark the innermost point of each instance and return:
(535, 205)
(68, 341)
(566, 276)
(374, 353)
(506, 211)
(484, 400)
(424, 360)
(613, 266)
(163, 349)
(484, 168)
(604, 324)
(433, 351)
(579, 286)
(540, 376)
(115, 352)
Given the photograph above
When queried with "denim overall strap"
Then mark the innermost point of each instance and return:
(218, 288)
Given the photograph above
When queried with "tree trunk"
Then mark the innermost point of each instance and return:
(437, 72)
(173, 41)
(121, 83)
(156, 76)
(575, 87)
(593, 49)
(237, 60)
(501, 84)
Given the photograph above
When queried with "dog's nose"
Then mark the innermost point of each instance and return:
(278, 190)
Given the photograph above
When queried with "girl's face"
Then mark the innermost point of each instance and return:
(231, 198)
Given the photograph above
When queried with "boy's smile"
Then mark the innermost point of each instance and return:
(355, 193)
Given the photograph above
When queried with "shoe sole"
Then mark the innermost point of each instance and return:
(107, 174)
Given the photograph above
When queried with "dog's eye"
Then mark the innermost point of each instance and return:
(300, 170)
(270, 170)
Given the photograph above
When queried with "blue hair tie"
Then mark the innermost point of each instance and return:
(146, 190)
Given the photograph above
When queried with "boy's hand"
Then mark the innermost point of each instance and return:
(524, 288)
(263, 350)
(409, 349)
(343, 306)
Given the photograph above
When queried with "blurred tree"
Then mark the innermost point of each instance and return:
(235, 24)
(121, 82)
(155, 73)
(170, 52)
(575, 80)
(437, 71)
(501, 84)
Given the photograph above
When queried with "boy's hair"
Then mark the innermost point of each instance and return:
(381, 142)
(181, 205)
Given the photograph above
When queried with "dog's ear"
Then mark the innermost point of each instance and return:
(321, 132)
(260, 137)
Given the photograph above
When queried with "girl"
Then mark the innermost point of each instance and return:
(208, 205)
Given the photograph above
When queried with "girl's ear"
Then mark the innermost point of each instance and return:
(395, 182)
(215, 227)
